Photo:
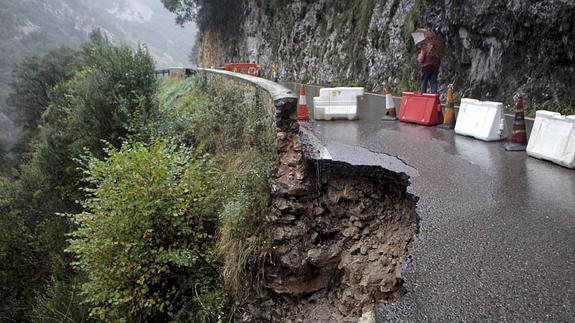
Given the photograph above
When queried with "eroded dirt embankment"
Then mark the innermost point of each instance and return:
(340, 235)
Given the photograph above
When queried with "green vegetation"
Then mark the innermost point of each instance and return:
(205, 12)
(235, 128)
(165, 192)
(408, 81)
(35, 27)
(26, 29)
(105, 96)
(306, 78)
(61, 301)
(145, 238)
(565, 107)
(413, 20)
(34, 78)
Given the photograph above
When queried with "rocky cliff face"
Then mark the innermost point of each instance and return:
(494, 47)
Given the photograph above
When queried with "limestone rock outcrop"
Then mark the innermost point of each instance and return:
(494, 47)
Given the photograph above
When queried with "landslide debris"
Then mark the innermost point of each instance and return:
(340, 236)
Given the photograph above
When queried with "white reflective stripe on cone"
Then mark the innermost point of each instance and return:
(389, 101)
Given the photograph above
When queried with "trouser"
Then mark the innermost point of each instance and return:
(429, 74)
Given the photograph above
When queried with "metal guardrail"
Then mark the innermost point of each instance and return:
(284, 99)
(285, 102)
(277, 91)
(184, 71)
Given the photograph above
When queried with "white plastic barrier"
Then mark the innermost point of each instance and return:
(338, 102)
(483, 120)
(553, 138)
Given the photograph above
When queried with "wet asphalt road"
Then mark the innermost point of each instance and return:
(497, 229)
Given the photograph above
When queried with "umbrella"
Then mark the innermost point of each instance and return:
(434, 43)
(420, 35)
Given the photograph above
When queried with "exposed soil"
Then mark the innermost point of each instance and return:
(340, 235)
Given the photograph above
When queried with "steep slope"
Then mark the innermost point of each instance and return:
(149, 22)
(494, 47)
(35, 26)
(28, 27)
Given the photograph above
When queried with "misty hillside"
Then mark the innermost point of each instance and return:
(35, 26)
(149, 22)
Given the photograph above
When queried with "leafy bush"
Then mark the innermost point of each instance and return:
(33, 81)
(108, 95)
(29, 242)
(16, 253)
(232, 122)
(306, 78)
(408, 81)
(145, 239)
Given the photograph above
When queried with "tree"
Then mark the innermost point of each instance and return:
(184, 10)
(32, 82)
(107, 95)
(109, 99)
(204, 12)
(5, 161)
(146, 236)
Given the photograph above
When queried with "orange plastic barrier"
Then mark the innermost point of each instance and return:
(252, 69)
(423, 109)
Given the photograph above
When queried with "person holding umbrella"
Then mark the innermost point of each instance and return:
(431, 50)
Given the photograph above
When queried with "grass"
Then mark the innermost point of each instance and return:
(231, 122)
(243, 228)
(412, 21)
(564, 107)
(408, 80)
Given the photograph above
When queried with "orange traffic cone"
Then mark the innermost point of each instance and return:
(302, 112)
(390, 114)
(449, 115)
(518, 140)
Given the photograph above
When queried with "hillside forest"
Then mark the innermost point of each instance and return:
(31, 27)
(132, 199)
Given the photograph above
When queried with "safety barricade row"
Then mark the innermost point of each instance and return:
(252, 69)
(552, 135)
